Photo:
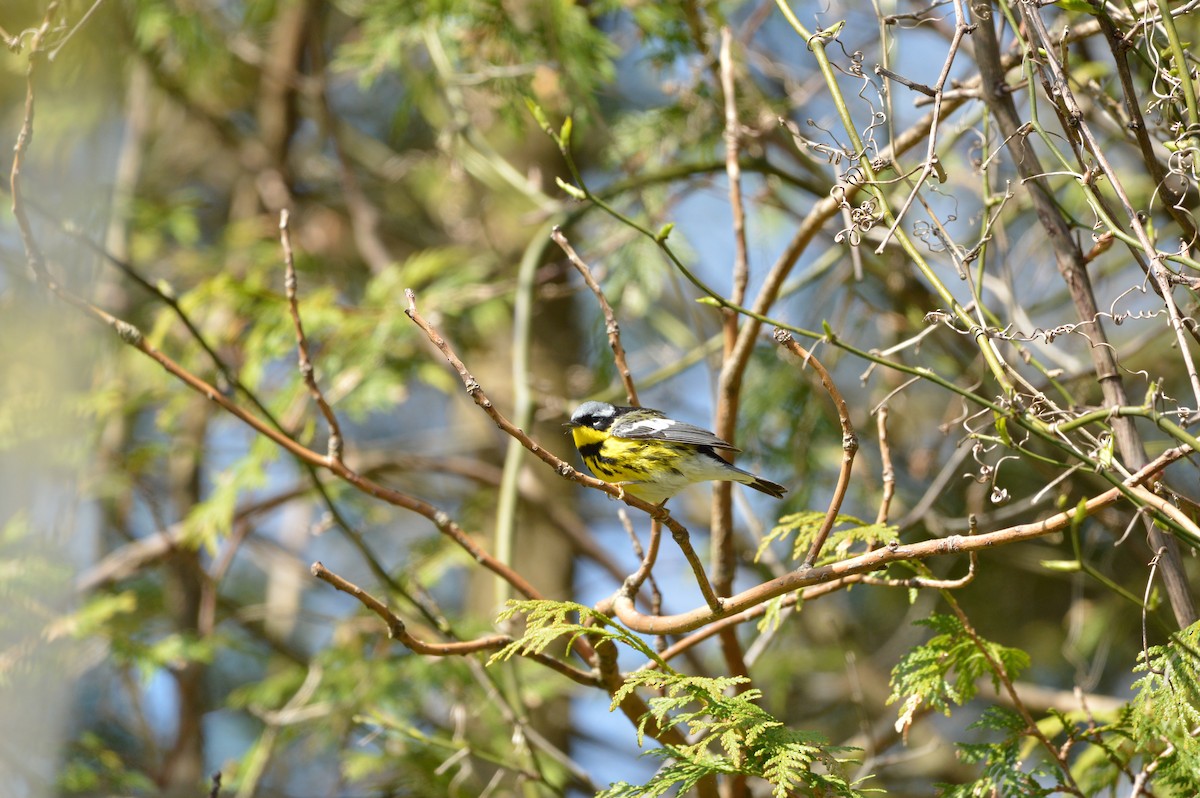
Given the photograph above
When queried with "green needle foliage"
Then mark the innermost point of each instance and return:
(944, 672)
(1163, 719)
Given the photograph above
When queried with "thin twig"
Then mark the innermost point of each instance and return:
(610, 319)
(646, 557)
(912, 84)
(33, 253)
(305, 361)
(998, 671)
(849, 442)
(634, 581)
(929, 582)
(888, 472)
(399, 632)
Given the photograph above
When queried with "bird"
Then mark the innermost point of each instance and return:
(652, 456)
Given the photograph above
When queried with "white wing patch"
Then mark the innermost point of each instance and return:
(649, 426)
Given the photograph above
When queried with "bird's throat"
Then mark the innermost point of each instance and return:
(586, 435)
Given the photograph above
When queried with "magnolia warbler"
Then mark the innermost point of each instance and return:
(651, 456)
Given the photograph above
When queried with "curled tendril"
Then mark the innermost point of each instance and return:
(1185, 161)
(1046, 334)
(856, 62)
(923, 232)
(849, 235)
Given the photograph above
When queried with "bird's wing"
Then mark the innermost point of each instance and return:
(660, 428)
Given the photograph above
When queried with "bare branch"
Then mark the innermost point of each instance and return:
(306, 366)
(610, 319)
(849, 442)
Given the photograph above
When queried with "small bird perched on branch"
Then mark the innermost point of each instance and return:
(652, 456)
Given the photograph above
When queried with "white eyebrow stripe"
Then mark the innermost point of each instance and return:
(650, 425)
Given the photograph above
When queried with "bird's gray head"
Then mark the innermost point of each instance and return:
(597, 415)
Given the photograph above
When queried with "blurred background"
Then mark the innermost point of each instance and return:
(161, 622)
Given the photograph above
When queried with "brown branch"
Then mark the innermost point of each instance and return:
(647, 557)
(929, 582)
(888, 472)
(800, 596)
(305, 361)
(723, 554)
(399, 632)
(849, 442)
(876, 559)
(809, 594)
(733, 172)
(610, 319)
(634, 581)
(33, 253)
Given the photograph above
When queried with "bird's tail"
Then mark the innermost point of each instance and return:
(768, 487)
(758, 483)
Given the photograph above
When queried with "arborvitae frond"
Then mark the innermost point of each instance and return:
(750, 740)
(677, 776)
(847, 531)
(924, 674)
(774, 613)
(1164, 717)
(548, 621)
(1004, 771)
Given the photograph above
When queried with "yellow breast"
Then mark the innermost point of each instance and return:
(624, 460)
